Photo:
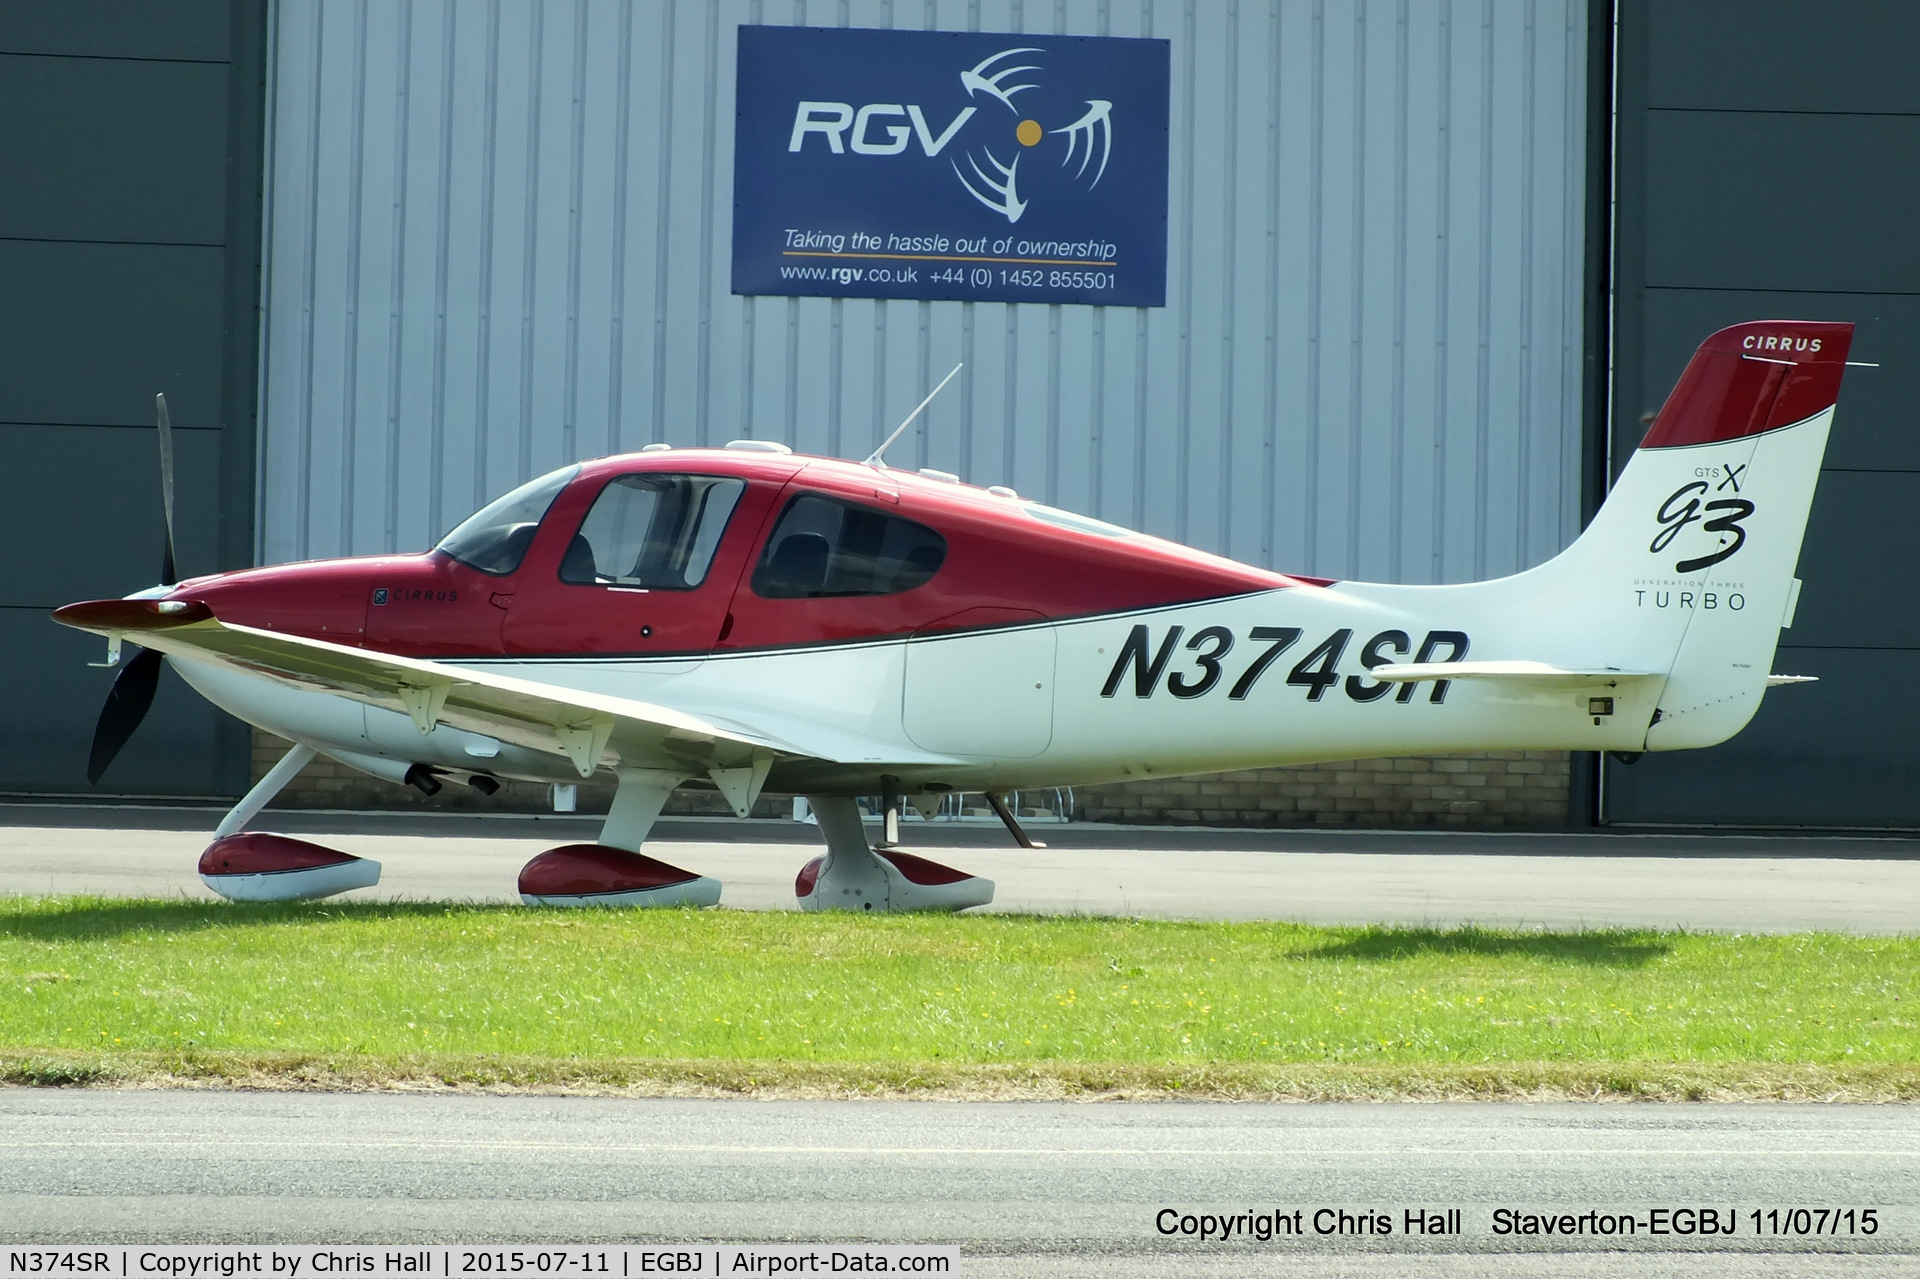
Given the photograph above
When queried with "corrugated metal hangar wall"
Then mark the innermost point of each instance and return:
(498, 239)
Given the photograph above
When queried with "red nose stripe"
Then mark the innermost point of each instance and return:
(1752, 378)
(263, 853)
(582, 870)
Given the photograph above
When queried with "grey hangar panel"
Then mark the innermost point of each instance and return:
(109, 161)
(92, 331)
(129, 234)
(1767, 167)
(180, 31)
(94, 515)
(186, 749)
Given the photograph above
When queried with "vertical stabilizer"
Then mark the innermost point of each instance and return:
(1705, 523)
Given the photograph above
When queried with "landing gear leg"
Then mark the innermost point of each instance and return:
(265, 789)
(852, 875)
(614, 872)
(259, 866)
(636, 806)
(849, 876)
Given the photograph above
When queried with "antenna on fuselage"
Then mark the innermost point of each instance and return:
(873, 459)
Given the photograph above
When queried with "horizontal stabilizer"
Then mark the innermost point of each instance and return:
(1532, 674)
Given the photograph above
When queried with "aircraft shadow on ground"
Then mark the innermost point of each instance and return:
(97, 919)
(1605, 949)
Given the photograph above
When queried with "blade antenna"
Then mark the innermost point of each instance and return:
(168, 576)
(873, 459)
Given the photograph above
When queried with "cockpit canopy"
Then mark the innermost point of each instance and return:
(659, 530)
(692, 550)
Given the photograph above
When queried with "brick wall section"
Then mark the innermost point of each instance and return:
(1526, 789)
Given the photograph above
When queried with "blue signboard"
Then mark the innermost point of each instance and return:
(949, 164)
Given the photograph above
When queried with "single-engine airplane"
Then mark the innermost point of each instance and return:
(757, 618)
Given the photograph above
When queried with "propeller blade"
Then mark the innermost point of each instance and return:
(168, 576)
(127, 705)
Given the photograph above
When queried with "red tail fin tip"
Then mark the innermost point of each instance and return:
(1751, 378)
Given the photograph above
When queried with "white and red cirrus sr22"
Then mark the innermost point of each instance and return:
(750, 618)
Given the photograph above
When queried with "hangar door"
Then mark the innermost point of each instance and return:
(1769, 167)
(129, 247)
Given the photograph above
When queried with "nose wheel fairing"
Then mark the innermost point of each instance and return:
(261, 866)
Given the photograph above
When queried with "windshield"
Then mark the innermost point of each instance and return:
(495, 538)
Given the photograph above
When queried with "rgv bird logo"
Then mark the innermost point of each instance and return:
(1000, 191)
(874, 130)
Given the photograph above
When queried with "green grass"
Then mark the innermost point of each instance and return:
(113, 990)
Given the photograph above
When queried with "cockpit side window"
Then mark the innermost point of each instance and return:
(823, 547)
(652, 531)
(495, 538)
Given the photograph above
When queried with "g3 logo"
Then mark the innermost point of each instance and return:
(1684, 507)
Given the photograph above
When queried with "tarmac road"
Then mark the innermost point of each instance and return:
(1772, 883)
(1023, 1188)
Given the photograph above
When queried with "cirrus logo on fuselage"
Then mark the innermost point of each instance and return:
(382, 596)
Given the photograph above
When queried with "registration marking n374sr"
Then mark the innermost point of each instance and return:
(1316, 672)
